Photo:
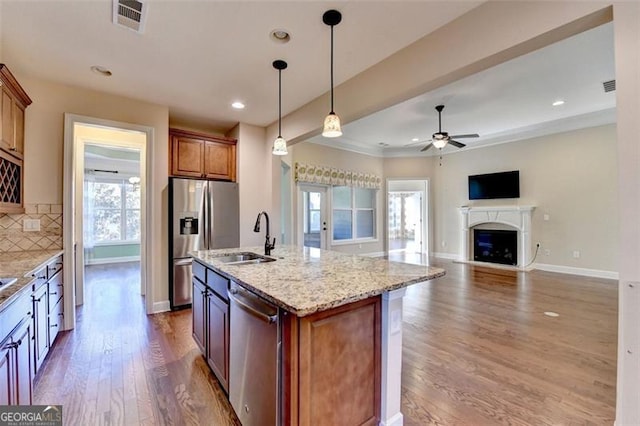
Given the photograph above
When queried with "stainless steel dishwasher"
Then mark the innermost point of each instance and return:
(254, 361)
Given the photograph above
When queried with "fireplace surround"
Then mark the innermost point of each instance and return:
(518, 217)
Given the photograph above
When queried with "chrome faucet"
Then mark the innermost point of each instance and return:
(268, 245)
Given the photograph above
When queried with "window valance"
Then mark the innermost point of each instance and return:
(332, 176)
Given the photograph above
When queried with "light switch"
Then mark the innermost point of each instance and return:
(31, 225)
(545, 217)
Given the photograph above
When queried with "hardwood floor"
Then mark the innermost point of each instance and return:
(122, 367)
(478, 350)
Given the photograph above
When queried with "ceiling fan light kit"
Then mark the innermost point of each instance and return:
(440, 139)
(332, 128)
(280, 144)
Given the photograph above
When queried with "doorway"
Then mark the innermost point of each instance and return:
(407, 217)
(312, 216)
(94, 150)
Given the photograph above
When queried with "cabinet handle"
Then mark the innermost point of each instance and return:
(13, 148)
(54, 325)
(53, 294)
(40, 278)
(36, 300)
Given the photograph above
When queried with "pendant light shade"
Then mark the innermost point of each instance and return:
(331, 128)
(280, 144)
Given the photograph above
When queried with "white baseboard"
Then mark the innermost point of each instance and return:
(106, 260)
(163, 306)
(396, 420)
(449, 256)
(595, 273)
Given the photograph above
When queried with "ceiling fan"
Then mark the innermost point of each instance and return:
(440, 139)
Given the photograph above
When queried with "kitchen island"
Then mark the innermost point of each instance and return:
(339, 322)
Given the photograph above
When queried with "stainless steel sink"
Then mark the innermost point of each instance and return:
(6, 282)
(246, 258)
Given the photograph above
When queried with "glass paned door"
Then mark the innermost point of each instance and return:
(314, 222)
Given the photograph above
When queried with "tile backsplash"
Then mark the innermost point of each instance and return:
(14, 238)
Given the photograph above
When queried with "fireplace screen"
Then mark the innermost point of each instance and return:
(495, 246)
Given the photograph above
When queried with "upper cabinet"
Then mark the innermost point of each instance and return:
(13, 102)
(202, 156)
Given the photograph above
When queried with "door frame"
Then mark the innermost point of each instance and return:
(72, 199)
(423, 184)
(324, 213)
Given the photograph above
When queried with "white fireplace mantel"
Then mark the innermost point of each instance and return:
(518, 217)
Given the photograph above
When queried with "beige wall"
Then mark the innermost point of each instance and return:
(254, 179)
(570, 176)
(44, 153)
(331, 157)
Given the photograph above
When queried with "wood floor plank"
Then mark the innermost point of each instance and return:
(477, 350)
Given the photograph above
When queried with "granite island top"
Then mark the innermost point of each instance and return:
(22, 265)
(305, 280)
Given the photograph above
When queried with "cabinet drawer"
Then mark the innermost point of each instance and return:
(56, 320)
(199, 271)
(55, 291)
(54, 267)
(39, 278)
(218, 284)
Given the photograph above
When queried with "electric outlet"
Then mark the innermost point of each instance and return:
(545, 217)
(359, 246)
(576, 254)
(443, 244)
(547, 252)
(31, 225)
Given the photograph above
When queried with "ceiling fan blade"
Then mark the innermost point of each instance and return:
(426, 147)
(470, 135)
(456, 143)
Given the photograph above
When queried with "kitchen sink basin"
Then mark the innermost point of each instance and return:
(6, 282)
(246, 258)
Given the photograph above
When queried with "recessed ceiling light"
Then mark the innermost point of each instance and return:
(237, 105)
(558, 102)
(280, 36)
(101, 70)
(415, 140)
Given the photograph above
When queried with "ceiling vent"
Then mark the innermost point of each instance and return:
(609, 86)
(130, 14)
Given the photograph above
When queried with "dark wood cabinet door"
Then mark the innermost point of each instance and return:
(187, 156)
(24, 359)
(218, 338)
(6, 373)
(198, 313)
(41, 325)
(219, 161)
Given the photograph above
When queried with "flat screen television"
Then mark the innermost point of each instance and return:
(495, 185)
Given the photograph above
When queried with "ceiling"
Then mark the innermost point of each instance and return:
(197, 57)
(509, 102)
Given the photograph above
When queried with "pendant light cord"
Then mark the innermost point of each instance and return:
(279, 103)
(332, 70)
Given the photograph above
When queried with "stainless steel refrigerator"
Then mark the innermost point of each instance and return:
(203, 215)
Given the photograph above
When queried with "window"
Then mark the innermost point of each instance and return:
(115, 210)
(354, 213)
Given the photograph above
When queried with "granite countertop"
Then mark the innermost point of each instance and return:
(307, 280)
(22, 265)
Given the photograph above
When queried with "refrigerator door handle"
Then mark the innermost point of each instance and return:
(207, 208)
(182, 262)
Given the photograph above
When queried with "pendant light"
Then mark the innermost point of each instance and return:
(280, 144)
(331, 127)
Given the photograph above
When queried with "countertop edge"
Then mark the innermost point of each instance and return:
(322, 306)
(24, 280)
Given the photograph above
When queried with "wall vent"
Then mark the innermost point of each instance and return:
(609, 86)
(130, 14)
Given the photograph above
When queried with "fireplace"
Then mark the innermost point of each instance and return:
(515, 219)
(495, 246)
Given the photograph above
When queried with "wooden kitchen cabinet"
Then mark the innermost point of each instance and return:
(328, 355)
(199, 155)
(48, 309)
(13, 102)
(16, 372)
(210, 308)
